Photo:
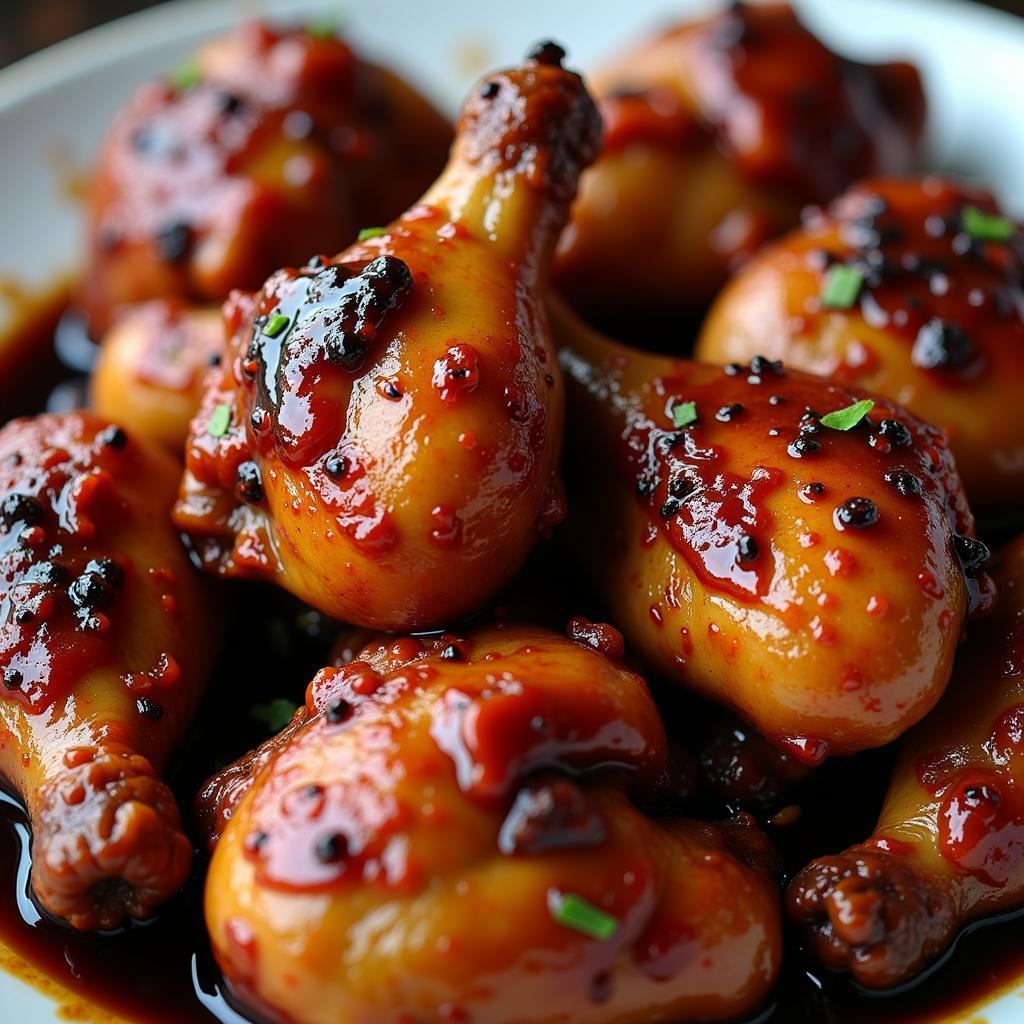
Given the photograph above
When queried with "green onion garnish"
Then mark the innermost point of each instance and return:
(842, 286)
(186, 76)
(575, 912)
(371, 233)
(275, 714)
(684, 413)
(986, 227)
(844, 419)
(219, 421)
(275, 325)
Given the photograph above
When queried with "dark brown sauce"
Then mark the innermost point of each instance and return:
(162, 971)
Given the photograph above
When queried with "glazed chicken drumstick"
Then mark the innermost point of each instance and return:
(271, 144)
(448, 831)
(105, 639)
(383, 437)
(718, 132)
(775, 541)
(913, 288)
(949, 844)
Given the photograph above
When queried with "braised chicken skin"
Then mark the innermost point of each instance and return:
(521, 641)
(272, 144)
(383, 438)
(816, 578)
(949, 844)
(911, 288)
(718, 132)
(451, 829)
(106, 636)
(151, 372)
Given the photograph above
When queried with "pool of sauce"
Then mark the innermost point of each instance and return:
(162, 972)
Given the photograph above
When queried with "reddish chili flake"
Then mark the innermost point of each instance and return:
(878, 606)
(457, 373)
(33, 536)
(167, 671)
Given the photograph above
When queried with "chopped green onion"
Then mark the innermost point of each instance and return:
(276, 325)
(575, 912)
(684, 413)
(842, 286)
(219, 421)
(186, 76)
(371, 233)
(327, 26)
(986, 227)
(850, 416)
(275, 714)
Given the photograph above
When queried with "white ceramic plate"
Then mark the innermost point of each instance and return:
(55, 105)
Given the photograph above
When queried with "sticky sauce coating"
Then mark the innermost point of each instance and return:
(739, 540)
(718, 131)
(932, 315)
(105, 638)
(270, 145)
(949, 844)
(527, 746)
(315, 458)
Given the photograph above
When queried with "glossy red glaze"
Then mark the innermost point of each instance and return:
(718, 131)
(981, 827)
(277, 143)
(105, 636)
(783, 107)
(697, 537)
(64, 574)
(937, 320)
(400, 404)
(949, 844)
(522, 744)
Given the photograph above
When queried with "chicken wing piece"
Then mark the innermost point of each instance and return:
(449, 830)
(718, 132)
(775, 541)
(106, 634)
(949, 845)
(272, 144)
(384, 438)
